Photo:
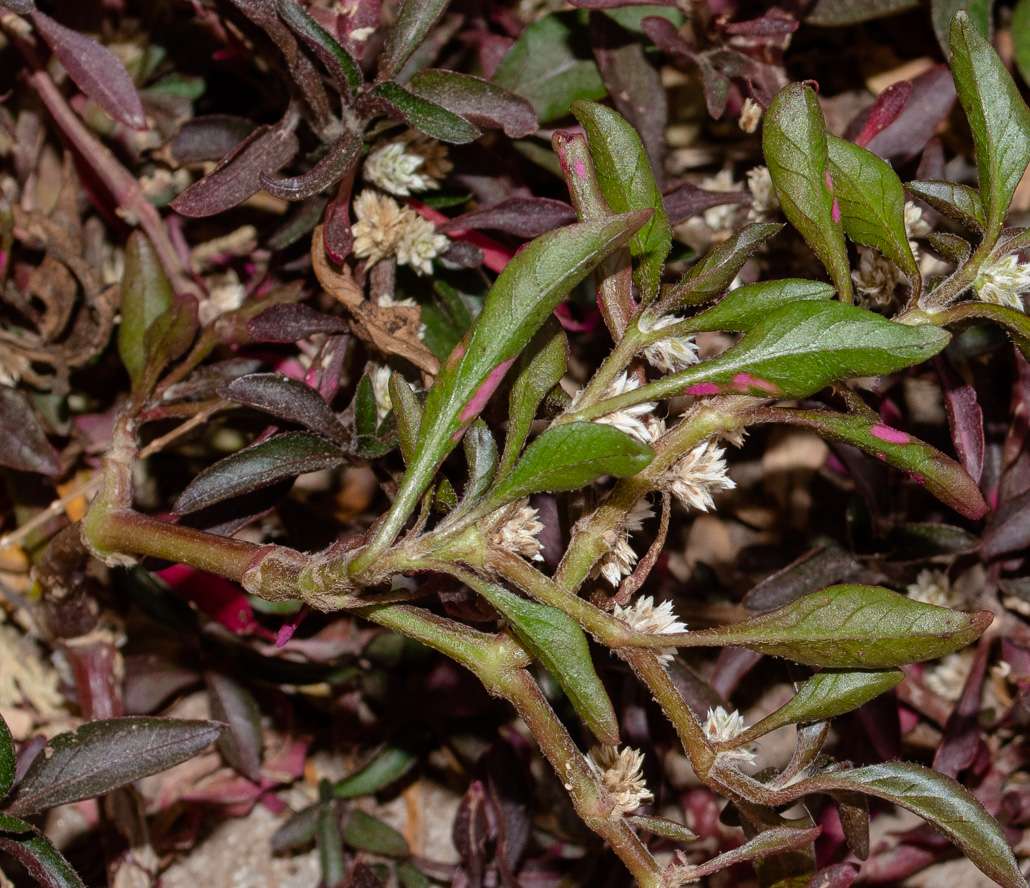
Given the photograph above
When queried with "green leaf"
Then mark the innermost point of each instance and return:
(541, 367)
(409, 415)
(103, 755)
(627, 182)
(662, 826)
(1020, 30)
(387, 766)
(45, 864)
(413, 23)
(365, 422)
(740, 309)
(367, 833)
(942, 476)
(997, 115)
(872, 203)
(428, 117)
(408, 876)
(824, 696)
(569, 457)
(960, 202)
(794, 144)
(942, 14)
(146, 295)
(257, 466)
(8, 763)
(937, 799)
(481, 456)
(951, 246)
(556, 640)
(1014, 322)
(714, 274)
(341, 66)
(799, 349)
(479, 101)
(521, 300)
(551, 65)
(854, 627)
(15, 825)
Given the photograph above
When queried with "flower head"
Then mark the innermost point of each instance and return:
(225, 293)
(1004, 283)
(631, 420)
(670, 355)
(948, 678)
(764, 201)
(723, 217)
(696, 475)
(619, 560)
(419, 244)
(413, 162)
(722, 727)
(934, 587)
(620, 774)
(645, 618)
(381, 391)
(381, 223)
(750, 115)
(876, 277)
(515, 528)
(915, 224)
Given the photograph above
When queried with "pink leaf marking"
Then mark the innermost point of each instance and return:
(886, 433)
(581, 169)
(702, 388)
(743, 382)
(483, 393)
(835, 212)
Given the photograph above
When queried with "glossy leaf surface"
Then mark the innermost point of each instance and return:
(44, 863)
(960, 202)
(432, 119)
(714, 274)
(23, 441)
(479, 101)
(743, 308)
(288, 399)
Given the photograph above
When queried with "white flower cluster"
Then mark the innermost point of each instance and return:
(413, 162)
(722, 727)
(515, 528)
(672, 354)
(646, 618)
(635, 420)
(1004, 282)
(697, 475)
(380, 377)
(620, 559)
(620, 774)
(764, 201)
(385, 228)
(934, 587)
(877, 278)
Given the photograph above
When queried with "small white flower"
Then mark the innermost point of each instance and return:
(386, 300)
(26, 678)
(915, 224)
(620, 559)
(620, 774)
(764, 201)
(750, 115)
(413, 162)
(947, 679)
(420, 245)
(381, 391)
(516, 528)
(631, 420)
(225, 293)
(934, 587)
(876, 277)
(1004, 283)
(722, 727)
(644, 617)
(696, 475)
(724, 217)
(381, 222)
(669, 355)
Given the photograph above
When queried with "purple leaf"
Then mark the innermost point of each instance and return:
(840, 875)
(258, 466)
(103, 755)
(41, 859)
(769, 25)
(339, 160)
(238, 176)
(964, 416)
(287, 399)
(22, 7)
(881, 114)
(233, 704)
(1010, 529)
(687, 201)
(291, 323)
(478, 101)
(933, 94)
(428, 117)
(522, 216)
(96, 70)
(210, 138)
(962, 742)
(23, 441)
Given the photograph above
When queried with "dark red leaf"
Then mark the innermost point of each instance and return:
(238, 176)
(477, 100)
(23, 441)
(22, 7)
(614, 4)
(287, 399)
(339, 160)
(210, 138)
(883, 112)
(242, 743)
(523, 216)
(291, 323)
(776, 26)
(103, 755)
(1010, 529)
(933, 94)
(688, 200)
(840, 875)
(964, 416)
(41, 859)
(96, 70)
(962, 742)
